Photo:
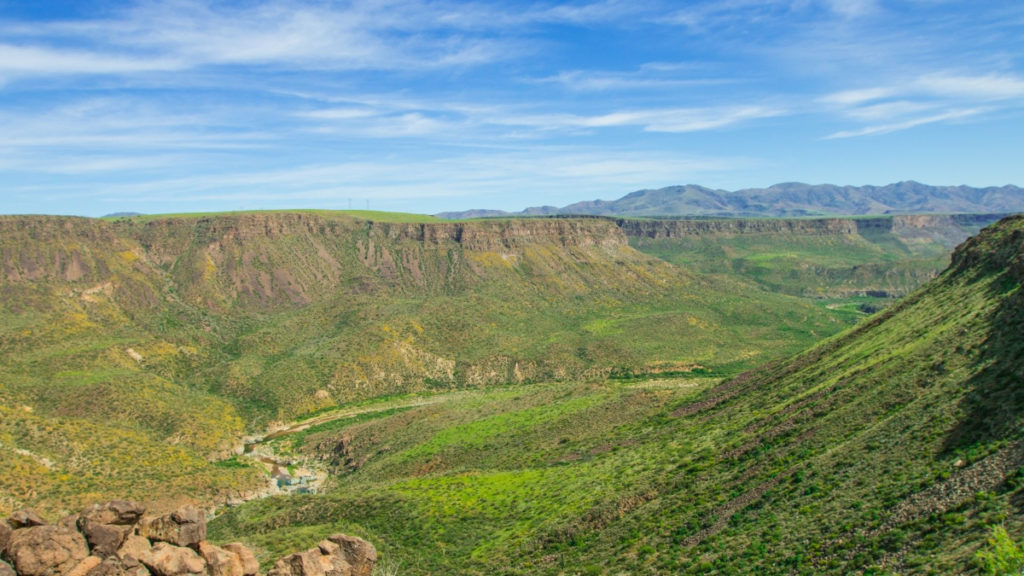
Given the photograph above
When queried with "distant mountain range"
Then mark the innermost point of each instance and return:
(791, 199)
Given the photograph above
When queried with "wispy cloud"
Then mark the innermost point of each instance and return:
(906, 124)
(985, 87)
(496, 176)
(914, 103)
(652, 120)
(658, 76)
(188, 34)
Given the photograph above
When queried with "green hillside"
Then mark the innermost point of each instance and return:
(865, 260)
(895, 447)
(136, 352)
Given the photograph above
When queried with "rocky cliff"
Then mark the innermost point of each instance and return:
(948, 230)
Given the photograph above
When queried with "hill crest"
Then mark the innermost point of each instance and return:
(789, 199)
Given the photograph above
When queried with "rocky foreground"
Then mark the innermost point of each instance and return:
(118, 538)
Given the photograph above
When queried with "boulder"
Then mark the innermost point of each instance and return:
(5, 535)
(220, 562)
(134, 547)
(6, 570)
(115, 512)
(359, 553)
(338, 555)
(115, 566)
(85, 566)
(333, 559)
(183, 527)
(165, 559)
(308, 563)
(250, 566)
(46, 550)
(106, 526)
(25, 519)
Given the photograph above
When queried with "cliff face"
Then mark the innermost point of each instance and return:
(883, 256)
(278, 259)
(948, 230)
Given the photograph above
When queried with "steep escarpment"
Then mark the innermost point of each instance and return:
(885, 256)
(294, 259)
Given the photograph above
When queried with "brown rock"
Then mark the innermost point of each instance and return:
(333, 559)
(220, 562)
(114, 566)
(164, 559)
(134, 547)
(5, 535)
(300, 564)
(116, 512)
(106, 526)
(250, 566)
(359, 553)
(105, 539)
(46, 550)
(6, 570)
(183, 527)
(85, 566)
(25, 519)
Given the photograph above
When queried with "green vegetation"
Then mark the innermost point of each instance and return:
(892, 448)
(878, 257)
(376, 216)
(519, 396)
(1002, 556)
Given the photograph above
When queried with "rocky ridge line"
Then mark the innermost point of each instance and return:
(118, 538)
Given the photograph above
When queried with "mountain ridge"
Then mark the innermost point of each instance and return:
(787, 199)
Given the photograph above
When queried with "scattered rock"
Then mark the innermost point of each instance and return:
(85, 566)
(250, 566)
(358, 552)
(165, 559)
(339, 555)
(124, 542)
(25, 519)
(115, 566)
(220, 562)
(183, 527)
(5, 535)
(309, 563)
(106, 526)
(134, 547)
(117, 512)
(46, 550)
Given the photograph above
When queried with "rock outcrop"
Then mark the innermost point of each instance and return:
(338, 555)
(118, 539)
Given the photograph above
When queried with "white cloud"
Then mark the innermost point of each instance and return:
(900, 106)
(652, 120)
(854, 97)
(188, 34)
(35, 60)
(905, 125)
(987, 87)
(852, 8)
(648, 77)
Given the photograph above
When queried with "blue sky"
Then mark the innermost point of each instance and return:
(425, 106)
